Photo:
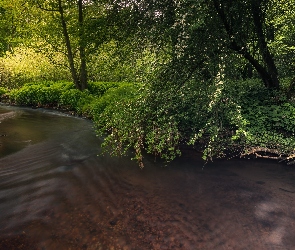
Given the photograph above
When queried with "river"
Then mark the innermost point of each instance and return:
(58, 192)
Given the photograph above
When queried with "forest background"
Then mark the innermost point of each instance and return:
(158, 75)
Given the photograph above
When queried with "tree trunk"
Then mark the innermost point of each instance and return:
(83, 69)
(291, 88)
(268, 73)
(272, 80)
(68, 46)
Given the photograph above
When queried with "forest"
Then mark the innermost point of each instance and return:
(158, 76)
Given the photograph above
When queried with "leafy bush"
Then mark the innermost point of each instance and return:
(113, 96)
(266, 119)
(71, 98)
(147, 119)
(76, 100)
(27, 95)
(99, 88)
(39, 94)
(3, 91)
(65, 95)
(124, 63)
(116, 113)
(219, 117)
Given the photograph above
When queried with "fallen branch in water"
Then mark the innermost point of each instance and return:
(290, 159)
(269, 153)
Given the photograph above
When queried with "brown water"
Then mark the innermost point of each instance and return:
(56, 193)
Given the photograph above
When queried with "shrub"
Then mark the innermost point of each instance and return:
(220, 117)
(112, 97)
(73, 98)
(3, 91)
(99, 88)
(264, 119)
(39, 93)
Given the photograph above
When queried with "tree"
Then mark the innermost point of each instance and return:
(206, 35)
(66, 18)
(193, 97)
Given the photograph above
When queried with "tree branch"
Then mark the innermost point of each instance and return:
(269, 74)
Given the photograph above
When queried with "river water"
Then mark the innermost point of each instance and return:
(57, 193)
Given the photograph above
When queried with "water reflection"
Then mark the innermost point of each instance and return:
(22, 127)
(56, 193)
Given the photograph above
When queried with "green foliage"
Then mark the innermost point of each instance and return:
(99, 88)
(26, 65)
(14, 24)
(72, 98)
(66, 96)
(282, 18)
(220, 118)
(276, 117)
(93, 101)
(112, 97)
(124, 61)
(262, 118)
(150, 120)
(39, 94)
(3, 91)
(117, 114)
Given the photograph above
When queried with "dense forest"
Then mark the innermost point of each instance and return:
(157, 75)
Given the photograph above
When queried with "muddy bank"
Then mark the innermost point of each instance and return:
(58, 194)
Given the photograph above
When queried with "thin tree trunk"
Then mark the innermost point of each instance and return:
(68, 46)
(83, 69)
(291, 88)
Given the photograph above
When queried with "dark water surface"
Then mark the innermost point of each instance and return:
(56, 193)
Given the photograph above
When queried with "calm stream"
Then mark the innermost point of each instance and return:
(57, 193)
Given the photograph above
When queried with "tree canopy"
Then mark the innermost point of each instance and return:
(228, 34)
(241, 39)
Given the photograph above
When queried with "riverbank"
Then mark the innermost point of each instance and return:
(246, 122)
